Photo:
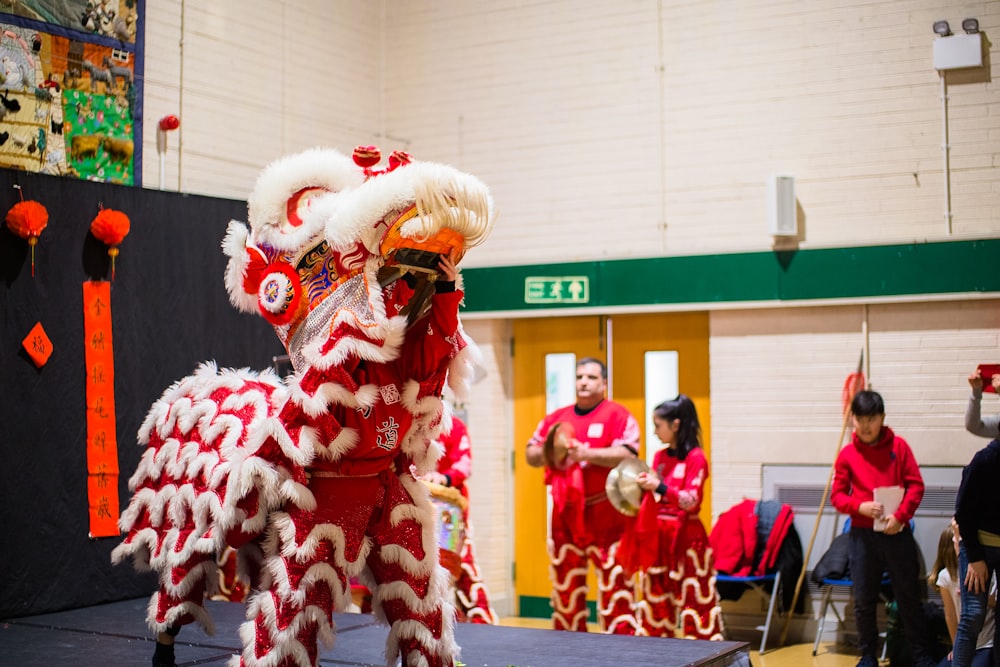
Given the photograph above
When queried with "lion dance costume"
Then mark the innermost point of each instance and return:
(312, 478)
(455, 464)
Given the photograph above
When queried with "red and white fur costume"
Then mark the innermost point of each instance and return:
(312, 478)
(455, 465)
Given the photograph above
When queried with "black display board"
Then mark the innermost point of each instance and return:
(170, 311)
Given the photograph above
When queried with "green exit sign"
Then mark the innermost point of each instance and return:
(566, 289)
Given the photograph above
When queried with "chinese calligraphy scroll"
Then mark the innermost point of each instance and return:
(102, 445)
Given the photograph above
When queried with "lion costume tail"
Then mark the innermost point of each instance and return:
(217, 461)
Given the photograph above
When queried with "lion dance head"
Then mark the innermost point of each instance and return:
(330, 237)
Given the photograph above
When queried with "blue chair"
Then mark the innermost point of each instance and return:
(775, 531)
(765, 585)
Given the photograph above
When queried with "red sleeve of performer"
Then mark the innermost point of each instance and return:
(456, 461)
(434, 340)
(542, 430)
(910, 479)
(629, 432)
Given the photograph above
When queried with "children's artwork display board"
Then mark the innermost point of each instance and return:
(71, 88)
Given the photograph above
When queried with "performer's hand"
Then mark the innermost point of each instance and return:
(577, 451)
(996, 383)
(686, 500)
(447, 267)
(976, 379)
(975, 577)
(648, 481)
(892, 525)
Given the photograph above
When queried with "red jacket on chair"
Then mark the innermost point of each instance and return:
(734, 539)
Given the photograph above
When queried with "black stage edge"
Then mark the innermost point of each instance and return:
(116, 634)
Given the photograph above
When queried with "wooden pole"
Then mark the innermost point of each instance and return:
(866, 353)
(812, 538)
(819, 513)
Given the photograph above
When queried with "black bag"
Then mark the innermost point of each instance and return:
(834, 563)
(898, 649)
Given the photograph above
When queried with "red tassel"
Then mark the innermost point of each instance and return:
(854, 383)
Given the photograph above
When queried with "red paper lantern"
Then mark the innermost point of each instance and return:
(27, 219)
(110, 227)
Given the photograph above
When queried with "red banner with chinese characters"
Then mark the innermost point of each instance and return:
(102, 443)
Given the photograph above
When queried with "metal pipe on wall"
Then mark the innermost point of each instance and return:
(945, 153)
(661, 69)
(866, 353)
(180, 100)
(161, 138)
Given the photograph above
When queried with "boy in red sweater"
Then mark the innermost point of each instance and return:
(880, 541)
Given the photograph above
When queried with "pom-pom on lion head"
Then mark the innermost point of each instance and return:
(329, 235)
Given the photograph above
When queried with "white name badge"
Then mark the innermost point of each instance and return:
(595, 430)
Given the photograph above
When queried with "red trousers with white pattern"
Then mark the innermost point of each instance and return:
(679, 598)
(471, 597)
(615, 594)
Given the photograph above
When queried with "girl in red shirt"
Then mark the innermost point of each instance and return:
(669, 545)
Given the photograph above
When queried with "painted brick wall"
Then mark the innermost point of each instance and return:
(646, 128)
(657, 120)
(253, 81)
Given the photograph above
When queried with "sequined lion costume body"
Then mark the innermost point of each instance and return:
(312, 478)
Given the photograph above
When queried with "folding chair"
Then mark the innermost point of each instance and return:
(774, 533)
(827, 586)
(765, 585)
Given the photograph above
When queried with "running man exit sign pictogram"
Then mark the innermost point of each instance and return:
(565, 289)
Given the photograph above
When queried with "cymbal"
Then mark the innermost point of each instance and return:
(621, 486)
(555, 449)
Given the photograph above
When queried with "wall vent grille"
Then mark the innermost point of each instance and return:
(938, 501)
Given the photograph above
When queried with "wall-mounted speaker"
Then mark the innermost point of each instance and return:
(781, 215)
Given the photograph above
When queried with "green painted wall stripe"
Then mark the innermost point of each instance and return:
(830, 273)
(532, 606)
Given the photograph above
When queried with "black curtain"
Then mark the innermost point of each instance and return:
(170, 311)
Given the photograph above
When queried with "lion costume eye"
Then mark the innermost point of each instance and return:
(256, 265)
(297, 207)
(279, 294)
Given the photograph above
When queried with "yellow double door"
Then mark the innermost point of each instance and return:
(634, 347)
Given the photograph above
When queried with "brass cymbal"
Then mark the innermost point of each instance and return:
(555, 449)
(621, 486)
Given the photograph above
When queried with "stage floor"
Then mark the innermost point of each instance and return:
(116, 634)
